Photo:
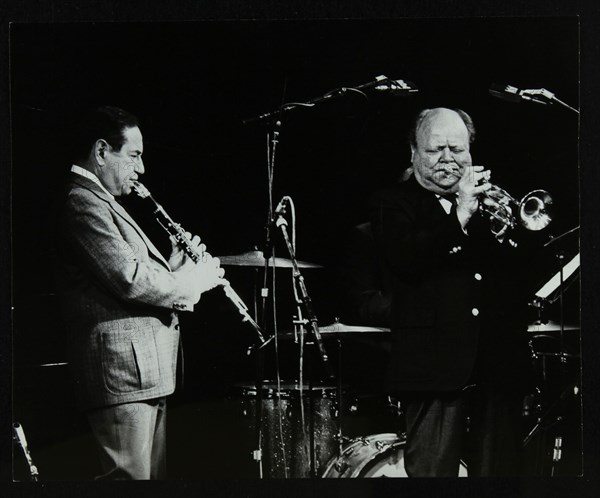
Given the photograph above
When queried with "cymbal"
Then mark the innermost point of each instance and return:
(256, 259)
(551, 326)
(342, 328)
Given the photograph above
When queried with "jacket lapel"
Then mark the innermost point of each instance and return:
(426, 200)
(90, 185)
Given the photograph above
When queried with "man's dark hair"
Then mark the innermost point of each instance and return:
(105, 122)
(423, 114)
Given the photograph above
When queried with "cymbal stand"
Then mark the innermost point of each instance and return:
(340, 406)
(19, 437)
(557, 409)
(558, 440)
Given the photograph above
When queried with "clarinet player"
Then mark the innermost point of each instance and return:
(120, 298)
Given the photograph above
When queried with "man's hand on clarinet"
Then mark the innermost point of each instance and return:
(206, 274)
(209, 273)
(178, 255)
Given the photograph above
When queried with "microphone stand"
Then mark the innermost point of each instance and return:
(273, 140)
(381, 83)
(309, 323)
(306, 300)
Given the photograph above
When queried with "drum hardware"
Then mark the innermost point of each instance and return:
(275, 219)
(550, 326)
(377, 455)
(552, 404)
(550, 407)
(303, 304)
(395, 405)
(553, 290)
(570, 391)
(557, 453)
(19, 438)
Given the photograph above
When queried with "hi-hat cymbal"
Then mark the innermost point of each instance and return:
(551, 326)
(256, 258)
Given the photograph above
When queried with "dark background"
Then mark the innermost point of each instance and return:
(191, 84)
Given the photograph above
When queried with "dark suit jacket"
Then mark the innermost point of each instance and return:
(459, 301)
(119, 298)
(365, 283)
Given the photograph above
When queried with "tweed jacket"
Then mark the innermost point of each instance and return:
(458, 299)
(119, 299)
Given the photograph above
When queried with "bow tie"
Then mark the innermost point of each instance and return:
(450, 197)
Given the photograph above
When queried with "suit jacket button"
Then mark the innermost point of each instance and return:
(478, 276)
(475, 312)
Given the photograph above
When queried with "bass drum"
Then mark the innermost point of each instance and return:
(379, 455)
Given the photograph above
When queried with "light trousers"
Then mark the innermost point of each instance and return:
(131, 439)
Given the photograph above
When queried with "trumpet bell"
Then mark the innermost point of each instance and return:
(535, 210)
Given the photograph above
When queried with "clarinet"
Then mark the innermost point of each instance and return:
(178, 234)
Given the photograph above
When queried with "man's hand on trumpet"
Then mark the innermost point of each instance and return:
(473, 183)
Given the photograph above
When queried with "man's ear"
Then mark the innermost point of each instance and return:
(100, 149)
(412, 153)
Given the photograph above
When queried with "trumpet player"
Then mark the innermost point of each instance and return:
(120, 298)
(458, 308)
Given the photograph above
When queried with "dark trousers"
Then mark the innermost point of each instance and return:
(131, 438)
(482, 426)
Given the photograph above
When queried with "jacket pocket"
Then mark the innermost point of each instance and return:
(146, 358)
(129, 357)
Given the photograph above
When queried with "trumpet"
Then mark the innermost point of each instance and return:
(533, 211)
(178, 233)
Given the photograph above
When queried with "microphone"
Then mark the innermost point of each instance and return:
(513, 94)
(384, 84)
(538, 95)
(280, 209)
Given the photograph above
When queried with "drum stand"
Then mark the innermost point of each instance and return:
(19, 438)
(554, 414)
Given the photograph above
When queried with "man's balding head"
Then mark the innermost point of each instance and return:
(440, 148)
